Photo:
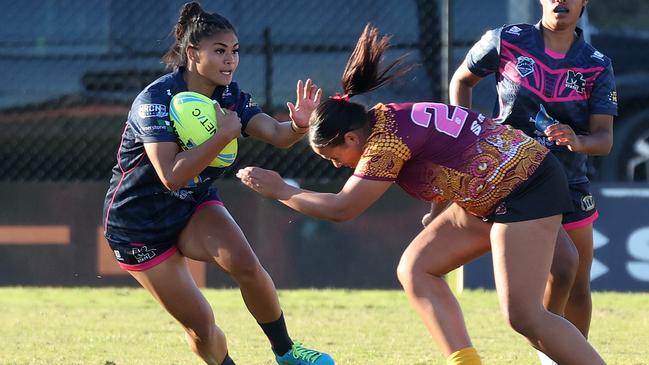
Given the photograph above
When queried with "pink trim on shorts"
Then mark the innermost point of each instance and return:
(149, 264)
(208, 203)
(582, 223)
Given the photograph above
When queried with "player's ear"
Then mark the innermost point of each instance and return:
(353, 138)
(192, 53)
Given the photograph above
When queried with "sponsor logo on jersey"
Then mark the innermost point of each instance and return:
(152, 111)
(587, 203)
(118, 255)
(160, 125)
(575, 81)
(524, 65)
(597, 54)
(515, 30)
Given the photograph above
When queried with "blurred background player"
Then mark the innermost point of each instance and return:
(560, 90)
(161, 208)
(497, 178)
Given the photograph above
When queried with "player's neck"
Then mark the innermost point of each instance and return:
(197, 83)
(559, 40)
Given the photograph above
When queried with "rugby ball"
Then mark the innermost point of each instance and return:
(194, 119)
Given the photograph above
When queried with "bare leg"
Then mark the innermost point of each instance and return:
(212, 235)
(522, 254)
(562, 274)
(171, 284)
(451, 239)
(580, 306)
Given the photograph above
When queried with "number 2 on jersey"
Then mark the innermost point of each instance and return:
(422, 113)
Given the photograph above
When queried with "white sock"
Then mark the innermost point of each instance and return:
(545, 360)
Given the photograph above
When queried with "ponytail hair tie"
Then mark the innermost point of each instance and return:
(338, 96)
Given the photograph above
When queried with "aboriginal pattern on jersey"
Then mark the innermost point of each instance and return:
(476, 170)
(387, 152)
(495, 166)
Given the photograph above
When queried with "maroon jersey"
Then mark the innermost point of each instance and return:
(437, 152)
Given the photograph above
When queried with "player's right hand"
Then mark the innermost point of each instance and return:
(228, 122)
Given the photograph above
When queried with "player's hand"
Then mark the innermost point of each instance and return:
(266, 182)
(228, 122)
(308, 98)
(563, 135)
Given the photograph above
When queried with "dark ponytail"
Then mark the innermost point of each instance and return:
(337, 115)
(192, 26)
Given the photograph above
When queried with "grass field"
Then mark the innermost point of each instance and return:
(126, 327)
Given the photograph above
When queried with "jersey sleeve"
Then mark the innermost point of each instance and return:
(603, 99)
(149, 117)
(383, 158)
(484, 57)
(246, 108)
(242, 103)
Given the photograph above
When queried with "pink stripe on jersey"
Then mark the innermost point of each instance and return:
(149, 264)
(554, 54)
(121, 179)
(582, 223)
(508, 68)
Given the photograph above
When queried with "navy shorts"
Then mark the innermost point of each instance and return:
(545, 193)
(140, 256)
(584, 212)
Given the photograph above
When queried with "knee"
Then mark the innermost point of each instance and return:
(412, 272)
(523, 320)
(405, 273)
(564, 270)
(565, 264)
(244, 265)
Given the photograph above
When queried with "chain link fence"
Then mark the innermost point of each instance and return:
(70, 70)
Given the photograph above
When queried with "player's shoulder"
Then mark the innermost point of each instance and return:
(518, 30)
(160, 90)
(154, 99)
(595, 56)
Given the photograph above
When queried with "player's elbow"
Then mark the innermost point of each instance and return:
(170, 183)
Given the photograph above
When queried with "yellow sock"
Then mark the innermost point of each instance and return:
(466, 356)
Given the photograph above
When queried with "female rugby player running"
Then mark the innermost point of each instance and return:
(161, 208)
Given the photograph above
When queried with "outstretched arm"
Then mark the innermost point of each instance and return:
(356, 196)
(284, 134)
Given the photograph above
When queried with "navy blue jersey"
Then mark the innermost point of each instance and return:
(570, 89)
(137, 205)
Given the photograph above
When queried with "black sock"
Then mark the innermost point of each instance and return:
(228, 360)
(277, 335)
